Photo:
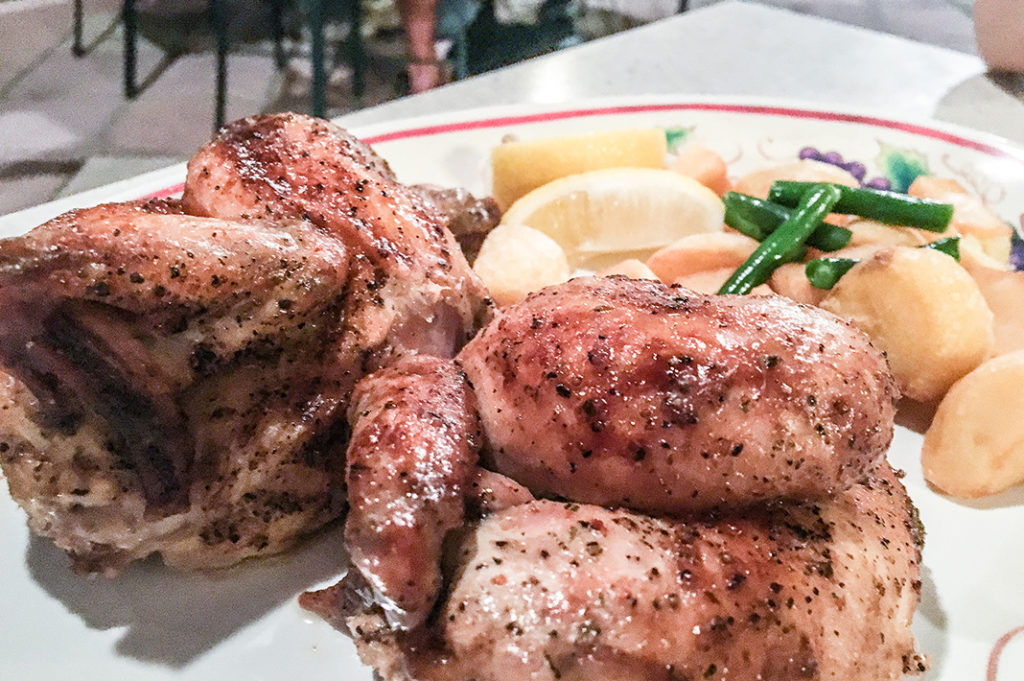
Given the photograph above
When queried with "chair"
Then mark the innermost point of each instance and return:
(219, 19)
(316, 16)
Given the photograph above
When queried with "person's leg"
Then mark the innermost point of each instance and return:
(424, 69)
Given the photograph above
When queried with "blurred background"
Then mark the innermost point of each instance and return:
(69, 121)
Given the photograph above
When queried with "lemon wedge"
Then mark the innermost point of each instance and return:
(618, 210)
(522, 166)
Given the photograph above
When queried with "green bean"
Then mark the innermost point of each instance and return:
(889, 207)
(758, 218)
(825, 272)
(742, 224)
(950, 246)
(784, 243)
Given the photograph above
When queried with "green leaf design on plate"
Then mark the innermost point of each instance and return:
(676, 137)
(901, 166)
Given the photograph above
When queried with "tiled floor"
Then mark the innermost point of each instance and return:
(65, 125)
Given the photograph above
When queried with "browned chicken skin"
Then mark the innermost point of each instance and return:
(177, 377)
(410, 286)
(615, 391)
(790, 551)
(563, 591)
(179, 372)
(419, 412)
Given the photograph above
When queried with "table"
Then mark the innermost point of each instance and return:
(731, 48)
(738, 48)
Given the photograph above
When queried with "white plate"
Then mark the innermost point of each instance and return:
(244, 623)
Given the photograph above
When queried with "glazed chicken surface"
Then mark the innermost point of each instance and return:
(629, 393)
(552, 590)
(761, 535)
(178, 372)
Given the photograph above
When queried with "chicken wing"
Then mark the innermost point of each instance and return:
(411, 462)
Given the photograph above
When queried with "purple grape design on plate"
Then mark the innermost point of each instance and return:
(855, 168)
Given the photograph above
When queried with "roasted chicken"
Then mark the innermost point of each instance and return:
(613, 480)
(178, 373)
(781, 546)
(781, 591)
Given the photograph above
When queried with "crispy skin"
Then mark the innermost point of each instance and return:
(411, 288)
(175, 384)
(623, 392)
(179, 383)
(786, 591)
(411, 460)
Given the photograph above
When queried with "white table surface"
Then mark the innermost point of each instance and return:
(738, 48)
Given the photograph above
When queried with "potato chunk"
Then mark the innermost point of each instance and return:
(872, 232)
(515, 260)
(758, 182)
(975, 445)
(703, 165)
(699, 253)
(790, 280)
(1004, 293)
(632, 268)
(924, 310)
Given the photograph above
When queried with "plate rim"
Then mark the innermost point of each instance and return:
(169, 181)
(490, 116)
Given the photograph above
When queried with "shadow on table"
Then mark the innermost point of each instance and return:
(1010, 83)
(930, 623)
(173, 617)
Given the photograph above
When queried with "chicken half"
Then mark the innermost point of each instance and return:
(178, 373)
(723, 508)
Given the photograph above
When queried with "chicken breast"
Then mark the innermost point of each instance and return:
(624, 392)
(564, 591)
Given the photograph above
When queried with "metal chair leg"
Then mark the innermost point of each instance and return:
(277, 27)
(78, 49)
(130, 19)
(316, 30)
(219, 21)
(356, 47)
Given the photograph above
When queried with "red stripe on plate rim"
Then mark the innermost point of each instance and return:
(789, 112)
(165, 192)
